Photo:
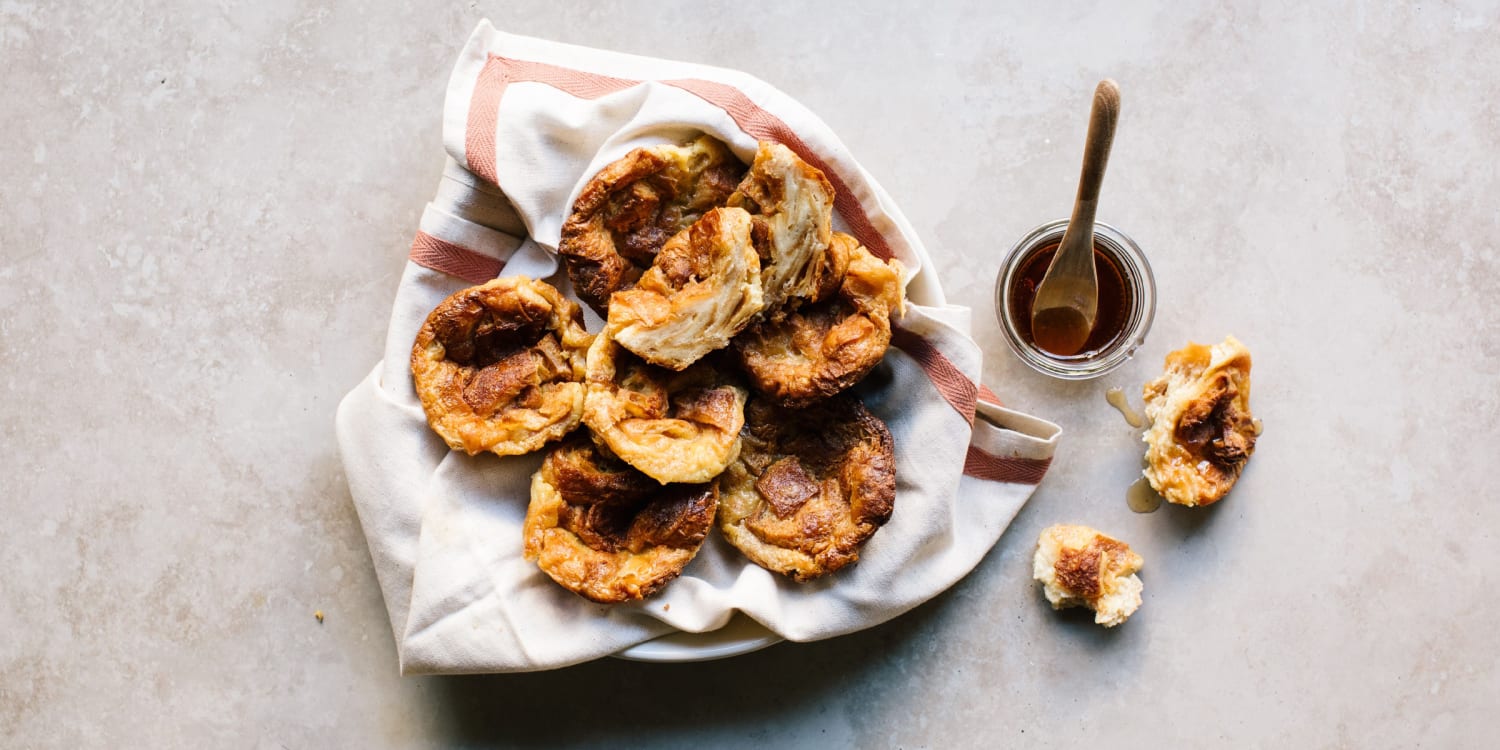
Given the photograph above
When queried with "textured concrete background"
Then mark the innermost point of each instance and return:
(204, 210)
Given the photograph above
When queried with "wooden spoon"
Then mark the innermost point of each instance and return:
(1067, 301)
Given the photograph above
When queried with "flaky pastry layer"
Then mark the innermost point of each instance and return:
(823, 348)
(1202, 432)
(703, 288)
(628, 211)
(499, 367)
(810, 486)
(1081, 567)
(673, 426)
(792, 202)
(608, 532)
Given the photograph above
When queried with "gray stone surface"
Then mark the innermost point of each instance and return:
(204, 210)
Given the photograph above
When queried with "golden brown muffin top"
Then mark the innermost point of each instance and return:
(810, 486)
(499, 366)
(823, 348)
(674, 426)
(628, 211)
(607, 532)
(613, 507)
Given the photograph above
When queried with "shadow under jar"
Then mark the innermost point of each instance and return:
(1127, 301)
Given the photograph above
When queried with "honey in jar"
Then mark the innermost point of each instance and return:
(1115, 298)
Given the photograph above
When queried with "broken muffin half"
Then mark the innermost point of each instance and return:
(1202, 431)
(1081, 567)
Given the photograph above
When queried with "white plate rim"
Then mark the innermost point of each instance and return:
(741, 635)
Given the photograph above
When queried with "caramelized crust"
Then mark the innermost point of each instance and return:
(1080, 567)
(628, 211)
(810, 486)
(499, 367)
(702, 290)
(673, 426)
(608, 532)
(823, 348)
(1202, 431)
(793, 205)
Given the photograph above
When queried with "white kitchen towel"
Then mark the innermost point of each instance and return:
(526, 123)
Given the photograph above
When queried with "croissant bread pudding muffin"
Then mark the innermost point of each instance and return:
(793, 204)
(500, 367)
(1081, 567)
(628, 211)
(608, 532)
(1202, 432)
(673, 426)
(823, 348)
(810, 486)
(703, 288)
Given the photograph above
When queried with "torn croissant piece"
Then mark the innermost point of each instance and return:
(673, 426)
(608, 532)
(1081, 567)
(793, 205)
(702, 290)
(1202, 432)
(628, 211)
(823, 348)
(810, 486)
(500, 367)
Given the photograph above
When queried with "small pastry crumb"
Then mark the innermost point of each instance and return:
(318, 615)
(1080, 567)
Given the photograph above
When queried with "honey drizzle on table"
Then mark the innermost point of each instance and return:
(1141, 498)
(1116, 398)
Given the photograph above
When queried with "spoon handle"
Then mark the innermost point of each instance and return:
(1103, 116)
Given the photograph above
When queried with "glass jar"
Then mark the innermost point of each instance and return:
(1115, 253)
